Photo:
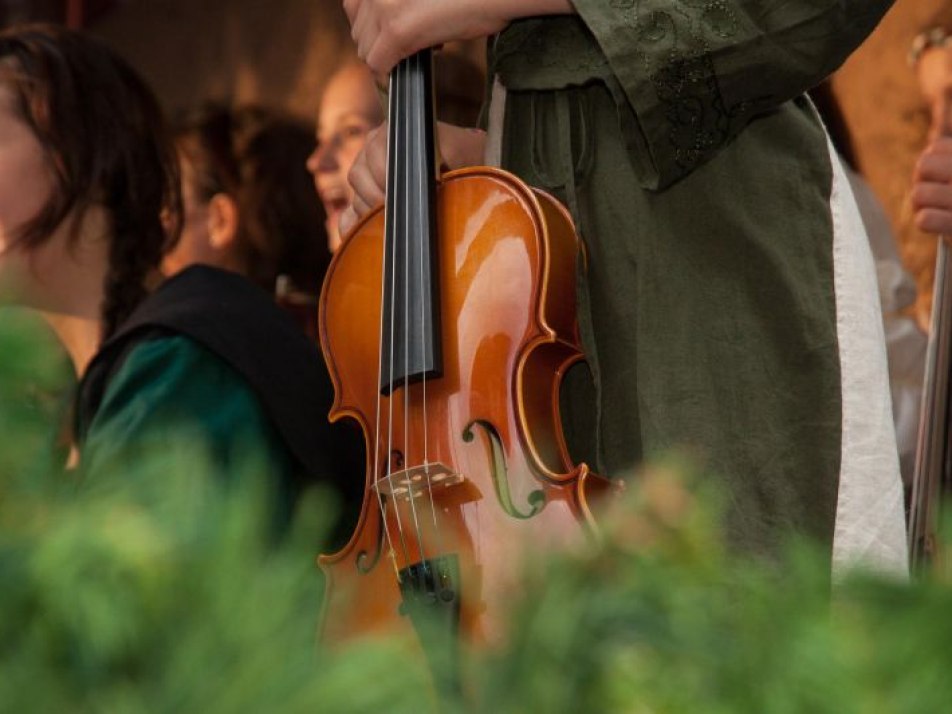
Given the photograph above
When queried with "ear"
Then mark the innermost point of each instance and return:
(222, 221)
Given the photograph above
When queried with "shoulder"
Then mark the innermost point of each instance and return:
(178, 369)
(202, 333)
(208, 348)
(170, 392)
(207, 302)
(174, 377)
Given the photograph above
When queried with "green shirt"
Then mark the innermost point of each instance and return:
(172, 403)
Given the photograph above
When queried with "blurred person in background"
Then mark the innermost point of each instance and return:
(892, 105)
(248, 199)
(248, 207)
(202, 364)
(351, 108)
(932, 191)
(248, 204)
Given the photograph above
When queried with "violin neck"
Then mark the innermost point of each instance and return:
(410, 348)
(932, 480)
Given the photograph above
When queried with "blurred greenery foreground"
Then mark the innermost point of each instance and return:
(168, 592)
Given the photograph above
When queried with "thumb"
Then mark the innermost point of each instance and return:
(347, 220)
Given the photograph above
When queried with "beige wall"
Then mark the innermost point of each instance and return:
(278, 52)
(272, 51)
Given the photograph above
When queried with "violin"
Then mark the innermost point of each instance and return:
(932, 478)
(447, 320)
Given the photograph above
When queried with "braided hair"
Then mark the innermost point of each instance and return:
(105, 140)
(258, 156)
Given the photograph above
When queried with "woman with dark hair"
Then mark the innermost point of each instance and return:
(248, 204)
(89, 204)
(248, 198)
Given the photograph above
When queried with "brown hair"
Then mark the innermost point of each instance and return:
(258, 157)
(105, 140)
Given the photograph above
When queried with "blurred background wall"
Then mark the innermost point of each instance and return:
(278, 52)
(272, 51)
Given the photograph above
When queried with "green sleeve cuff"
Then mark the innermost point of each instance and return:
(695, 72)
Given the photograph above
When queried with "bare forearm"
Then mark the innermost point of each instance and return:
(386, 31)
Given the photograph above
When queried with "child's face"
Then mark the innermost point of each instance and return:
(26, 178)
(349, 110)
(26, 184)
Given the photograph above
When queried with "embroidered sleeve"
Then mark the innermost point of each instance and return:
(696, 71)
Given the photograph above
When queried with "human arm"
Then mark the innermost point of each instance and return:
(932, 188)
(386, 31)
(688, 76)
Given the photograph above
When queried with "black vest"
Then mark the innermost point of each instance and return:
(241, 324)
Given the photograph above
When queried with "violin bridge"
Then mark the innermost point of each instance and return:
(417, 481)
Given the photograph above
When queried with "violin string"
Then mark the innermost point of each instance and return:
(426, 447)
(398, 120)
(408, 167)
(383, 290)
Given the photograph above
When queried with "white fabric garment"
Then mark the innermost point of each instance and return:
(492, 154)
(905, 342)
(870, 527)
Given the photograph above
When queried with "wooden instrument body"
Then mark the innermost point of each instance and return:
(506, 266)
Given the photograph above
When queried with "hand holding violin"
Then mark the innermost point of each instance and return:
(932, 190)
(458, 147)
(387, 31)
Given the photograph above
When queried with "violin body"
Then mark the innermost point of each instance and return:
(479, 471)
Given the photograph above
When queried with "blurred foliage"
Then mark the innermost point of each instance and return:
(170, 595)
(35, 381)
(160, 589)
(662, 618)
